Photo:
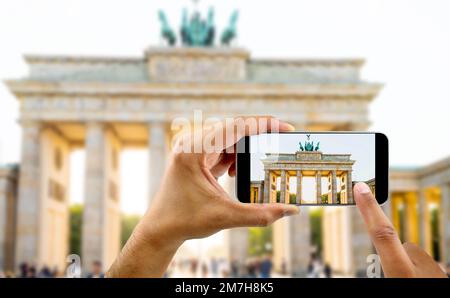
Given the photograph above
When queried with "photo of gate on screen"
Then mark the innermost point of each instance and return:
(310, 169)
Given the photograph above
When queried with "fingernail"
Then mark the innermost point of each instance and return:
(286, 126)
(362, 188)
(291, 211)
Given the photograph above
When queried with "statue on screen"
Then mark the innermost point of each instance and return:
(309, 146)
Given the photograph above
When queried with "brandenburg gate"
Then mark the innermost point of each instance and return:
(307, 164)
(108, 104)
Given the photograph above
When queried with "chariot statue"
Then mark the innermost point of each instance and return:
(308, 146)
(196, 31)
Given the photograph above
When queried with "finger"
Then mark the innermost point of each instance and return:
(425, 265)
(394, 259)
(416, 254)
(259, 215)
(222, 165)
(232, 170)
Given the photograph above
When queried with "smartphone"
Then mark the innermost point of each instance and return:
(311, 168)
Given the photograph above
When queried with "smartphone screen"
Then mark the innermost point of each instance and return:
(317, 168)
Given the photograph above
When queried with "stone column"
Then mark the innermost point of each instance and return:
(158, 149)
(349, 188)
(360, 245)
(3, 219)
(298, 233)
(283, 187)
(8, 214)
(112, 225)
(319, 187)
(236, 239)
(92, 231)
(260, 194)
(333, 187)
(28, 216)
(94, 196)
(445, 215)
(299, 246)
(267, 182)
(54, 200)
(422, 218)
(298, 198)
(101, 215)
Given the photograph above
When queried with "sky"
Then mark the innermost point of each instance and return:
(406, 45)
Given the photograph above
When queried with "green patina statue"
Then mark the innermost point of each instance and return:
(230, 32)
(309, 146)
(166, 31)
(196, 31)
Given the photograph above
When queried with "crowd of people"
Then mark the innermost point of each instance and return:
(221, 267)
(31, 271)
(255, 267)
(316, 268)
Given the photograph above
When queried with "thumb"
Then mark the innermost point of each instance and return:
(260, 215)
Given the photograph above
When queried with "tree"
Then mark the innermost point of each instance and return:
(315, 217)
(128, 222)
(260, 241)
(76, 222)
(292, 198)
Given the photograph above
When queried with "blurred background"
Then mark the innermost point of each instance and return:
(91, 89)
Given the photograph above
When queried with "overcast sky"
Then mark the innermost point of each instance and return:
(406, 45)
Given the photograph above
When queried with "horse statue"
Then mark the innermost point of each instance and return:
(166, 32)
(230, 32)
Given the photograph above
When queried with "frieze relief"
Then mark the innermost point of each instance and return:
(178, 69)
(312, 166)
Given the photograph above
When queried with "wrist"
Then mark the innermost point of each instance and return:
(147, 253)
(152, 233)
